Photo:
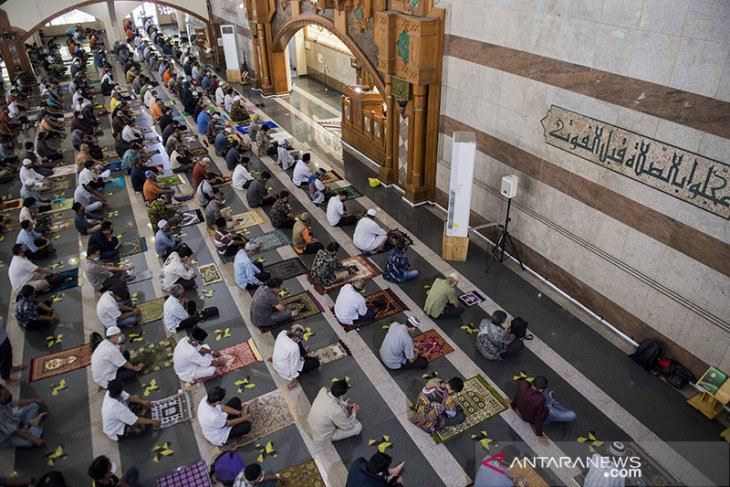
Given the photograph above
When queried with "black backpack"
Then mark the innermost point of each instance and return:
(518, 327)
(679, 376)
(647, 354)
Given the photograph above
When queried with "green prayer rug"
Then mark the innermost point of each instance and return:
(154, 356)
(171, 180)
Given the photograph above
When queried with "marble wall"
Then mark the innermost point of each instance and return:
(656, 67)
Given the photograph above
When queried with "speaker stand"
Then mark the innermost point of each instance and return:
(505, 239)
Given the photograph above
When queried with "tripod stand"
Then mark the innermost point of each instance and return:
(504, 240)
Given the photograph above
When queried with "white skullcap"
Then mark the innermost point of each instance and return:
(161, 224)
(27, 162)
(319, 185)
(372, 212)
(113, 330)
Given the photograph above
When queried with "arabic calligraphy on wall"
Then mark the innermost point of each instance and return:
(699, 181)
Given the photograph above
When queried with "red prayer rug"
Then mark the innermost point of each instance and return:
(431, 345)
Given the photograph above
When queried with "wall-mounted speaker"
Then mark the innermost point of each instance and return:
(509, 186)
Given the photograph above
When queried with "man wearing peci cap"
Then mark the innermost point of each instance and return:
(369, 237)
(111, 361)
(249, 274)
(123, 414)
(165, 241)
(442, 301)
(397, 351)
(193, 360)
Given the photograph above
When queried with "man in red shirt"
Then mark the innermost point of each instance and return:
(200, 171)
(537, 406)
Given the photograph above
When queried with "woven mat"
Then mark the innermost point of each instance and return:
(70, 278)
(330, 177)
(152, 310)
(155, 356)
(190, 217)
(305, 474)
(239, 356)
(174, 409)
(62, 184)
(209, 274)
(171, 180)
(271, 240)
(195, 475)
(330, 353)
(247, 219)
(479, 402)
(59, 363)
(393, 306)
(269, 413)
(304, 302)
(133, 246)
(431, 345)
(286, 269)
(366, 269)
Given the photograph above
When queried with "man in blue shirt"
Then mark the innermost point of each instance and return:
(222, 144)
(165, 241)
(397, 350)
(202, 121)
(249, 274)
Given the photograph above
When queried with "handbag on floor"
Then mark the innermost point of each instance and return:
(207, 313)
(226, 467)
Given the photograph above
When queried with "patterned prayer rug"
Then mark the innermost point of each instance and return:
(57, 226)
(286, 269)
(479, 402)
(366, 270)
(66, 170)
(305, 303)
(133, 246)
(269, 413)
(393, 306)
(171, 180)
(303, 475)
(351, 191)
(69, 279)
(431, 345)
(191, 217)
(12, 204)
(62, 184)
(59, 363)
(174, 409)
(62, 204)
(114, 183)
(154, 356)
(209, 273)
(330, 177)
(471, 298)
(200, 151)
(271, 240)
(195, 475)
(239, 356)
(330, 353)
(152, 310)
(247, 219)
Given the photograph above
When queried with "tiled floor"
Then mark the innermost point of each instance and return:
(612, 397)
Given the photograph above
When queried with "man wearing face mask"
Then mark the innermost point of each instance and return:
(442, 301)
(20, 429)
(217, 209)
(123, 414)
(111, 361)
(193, 360)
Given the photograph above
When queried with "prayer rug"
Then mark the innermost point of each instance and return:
(190, 217)
(133, 246)
(173, 410)
(154, 356)
(62, 184)
(57, 226)
(200, 151)
(271, 240)
(239, 356)
(330, 353)
(69, 279)
(351, 191)
(247, 219)
(479, 402)
(471, 298)
(393, 306)
(114, 183)
(171, 180)
(330, 177)
(66, 170)
(431, 345)
(269, 413)
(152, 310)
(305, 303)
(209, 273)
(59, 363)
(305, 474)
(366, 270)
(140, 276)
(195, 475)
(62, 204)
(286, 269)
(114, 165)
(12, 204)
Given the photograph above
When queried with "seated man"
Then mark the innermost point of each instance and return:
(178, 269)
(165, 241)
(111, 361)
(375, 472)
(103, 472)
(302, 239)
(241, 178)
(31, 314)
(20, 428)
(442, 301)
(284, 157)
(494, 341)
(159, 210)
(205, 192)
(104, 239)
(369, 237)
(326, 269)
(491, 471)
(538, 407)
(123, 414)
(22, 271)
(37, 245)
(115, 309)
(221, 142)
(435, 407)
(83, 222)
(220, 422)
(302, 172)
(227, 243)
(216, 208)
(336, 214)
(257, 195)
(398, 267)
(93, 203)
(193, 360)
(249, 274)
(397, 351)
(103, 276)
(153, 190)
(350, 305)
(179, 313)
(254, 475)
(281, 215)
(290, 359)
(267, 310)
(332, 417)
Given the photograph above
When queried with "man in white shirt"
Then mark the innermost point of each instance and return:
(290, 358)
(76, 99)
(336, 214)
(241, 178)
(369, 237)
(30, 178)
(193, 360)
(332, 417)
(111, 361)
(228, 101)
(302, 172)
(114, 311)
(150, 98)
(131, 134)
(222, 422)
(350, 306)
(284, 157)
(397, 351)
(88, 198)
(220, 95)
(119, 418)
(179, 313)
(22, 271)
